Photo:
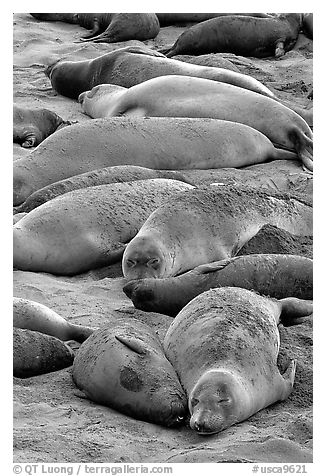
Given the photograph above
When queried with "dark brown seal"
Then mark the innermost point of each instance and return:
(241, 35)
(32, 126)
(277, 276)
(109, 27)
(132, 65)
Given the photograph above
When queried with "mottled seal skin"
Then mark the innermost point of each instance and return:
(36, 353)
(181, 96)
(105, 175)
(172, 18)
(133, 65)
(241, 35)
(98, 143)
(35, 316)
(207, 224)
(32, 126)
(307, 25)
(123, 366)
(224, 346)
(87, 228)
(277, 276)
(109, 27)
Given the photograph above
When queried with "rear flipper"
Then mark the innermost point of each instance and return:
(304, 147)
(294, 311)
(288, 380)
(95, 31)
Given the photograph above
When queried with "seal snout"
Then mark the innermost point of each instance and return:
(81, 97)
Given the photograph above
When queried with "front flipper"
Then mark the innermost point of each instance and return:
(279, 49)
(215, 266)
(95, 31)
(134, 344)
(288, 380)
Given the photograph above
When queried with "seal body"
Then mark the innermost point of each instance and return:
(35, 316)
(196, 97)
(241, 35)
(103, 176)
(124, 367)
(224, 346)
(307, 25)
(110, 27)
(87, 228)
(36, 353)
(207, 224)
(32, 126)
(84, 147)
(172, 18)
(133, 65)
(277, 276)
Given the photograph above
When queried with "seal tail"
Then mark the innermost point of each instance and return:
(304, 147)
(294, 311)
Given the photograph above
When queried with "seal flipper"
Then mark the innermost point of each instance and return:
(95, 31)
(133, 344)
(215, 266)
(303, 146)
(294, 311)
(288, 380)
(279, 49)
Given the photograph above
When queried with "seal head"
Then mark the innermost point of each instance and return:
(216, 402)
(144, 258)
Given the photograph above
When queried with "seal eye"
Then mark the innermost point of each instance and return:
(153, 263)
(130, 263)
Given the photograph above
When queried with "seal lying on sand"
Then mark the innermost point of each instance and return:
(36, 353)
(133, 65)
(241, 35)
(87, 228)
(37, 317)
(207, 224)
(94, 144)
(123, 366)
(32, 126)
(172, 18)
(109, 27)
(276, 276)
(181, 96)
(224, 346)
(106, 175)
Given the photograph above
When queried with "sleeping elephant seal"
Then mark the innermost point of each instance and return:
(276, 276)
(32, 126)
(224, 346)
(172, 18)
(35, 316)
(102, 176)
(123, 366)
(142, 142)
(207, 224)
(181, 96)
(87, 228)
(109, 27)
(241, 35)
(133, 65)
(36, 353)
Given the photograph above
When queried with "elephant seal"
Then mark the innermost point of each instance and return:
(207, 224)
(94, 144)
(276, 276)
(35, 316)
(224, 346)
(241, 35)
(36, 353)
(32, 126)
(109, 27)
(133, 65)
(106, 175)
(123, 366)
(182, 96)
(307, 25)
(172, 18)
(87, 228)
